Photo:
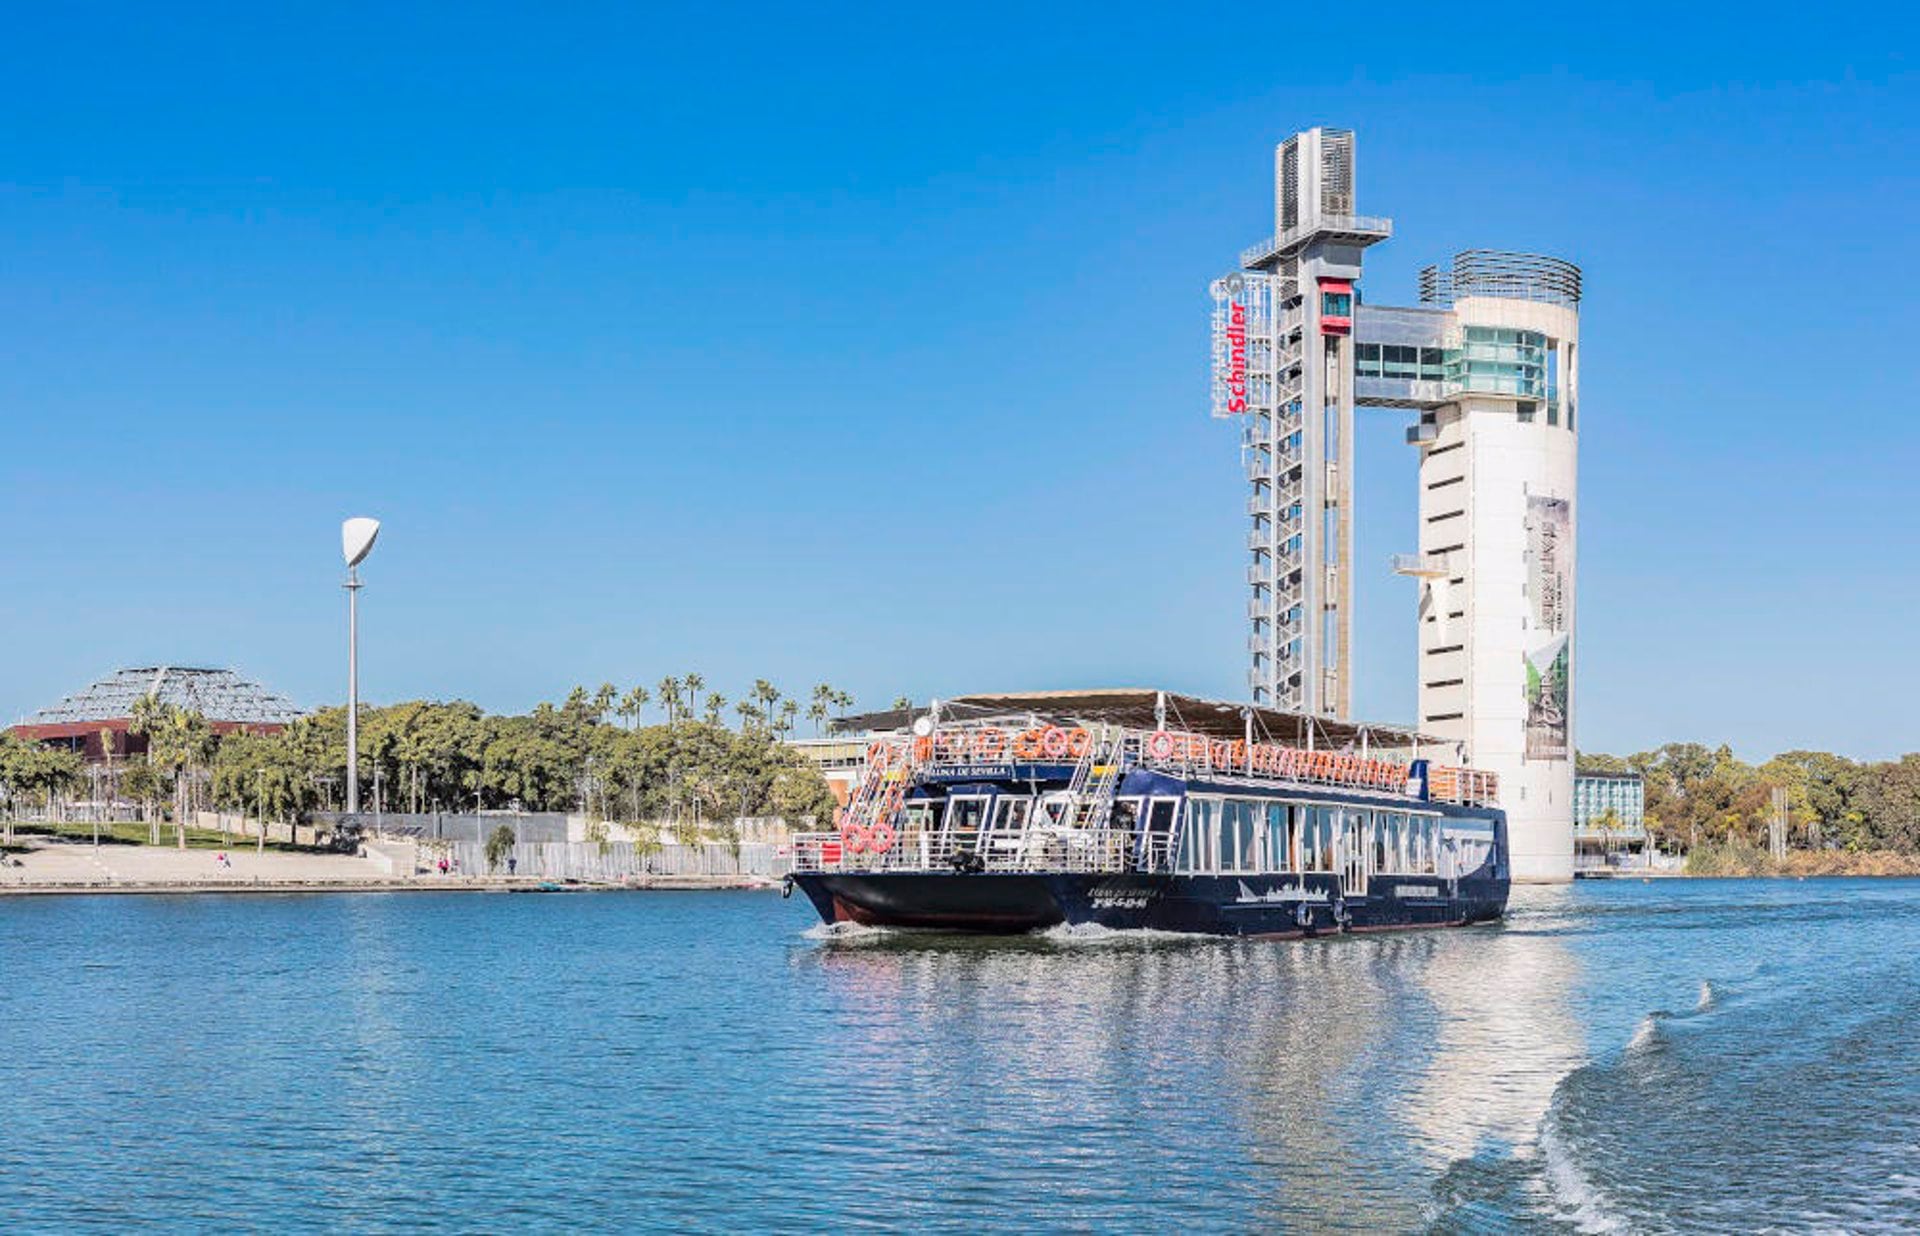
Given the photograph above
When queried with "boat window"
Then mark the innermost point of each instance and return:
(1239, 839)
(1050, 813)
(1383, 854)
(1279, 856)
(1422, 850)
(1197, 839)
(965, 814)
(1010, 814)
(921, 814)
(1160, 815)
(1125, 815)
(1317, 843)
(1394, 824)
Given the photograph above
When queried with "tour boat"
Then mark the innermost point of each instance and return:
(1147, 810)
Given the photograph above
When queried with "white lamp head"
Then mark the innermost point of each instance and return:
(356, 539)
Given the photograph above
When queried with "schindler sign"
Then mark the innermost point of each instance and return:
(1241, 308)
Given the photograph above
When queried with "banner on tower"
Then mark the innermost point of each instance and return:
(1243, 343)
(1549, 662)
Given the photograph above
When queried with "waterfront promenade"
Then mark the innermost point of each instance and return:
(82, 868)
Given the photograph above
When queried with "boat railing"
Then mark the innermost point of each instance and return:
(1182, 753)
(1033, 849)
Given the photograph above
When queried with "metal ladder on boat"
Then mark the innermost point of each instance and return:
(1096, 778)
(871, 793)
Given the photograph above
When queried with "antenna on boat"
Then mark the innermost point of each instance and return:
(1159, 710)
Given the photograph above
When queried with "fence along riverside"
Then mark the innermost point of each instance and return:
(619, 861)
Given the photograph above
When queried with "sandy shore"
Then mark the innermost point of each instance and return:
(83, 868)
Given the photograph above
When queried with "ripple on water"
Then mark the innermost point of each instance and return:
(1629, 1057)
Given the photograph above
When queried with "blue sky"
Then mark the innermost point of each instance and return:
(869, 344)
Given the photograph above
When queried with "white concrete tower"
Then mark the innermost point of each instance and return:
(1498, 474)
(1283, 359)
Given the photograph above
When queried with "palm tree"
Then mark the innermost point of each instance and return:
(695, 684)
(148, 715)
(766, 695)
(631, 706)
(903, 702)
(750, 716)
(669, 689)
(603, 701)
(789, 709)
(716, 707)
(819, 705)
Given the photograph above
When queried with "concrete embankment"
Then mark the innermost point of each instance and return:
(82, 868)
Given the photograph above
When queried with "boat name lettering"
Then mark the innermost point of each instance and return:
(1120, 897)
(971, 772)
(1416, 890)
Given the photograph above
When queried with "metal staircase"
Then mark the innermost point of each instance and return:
(1096, 778)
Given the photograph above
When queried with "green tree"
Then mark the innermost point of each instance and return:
(1889, 804)
(633, 706)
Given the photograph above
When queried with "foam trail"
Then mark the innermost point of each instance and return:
(1095, 933)
(1585, 1206)
(844, 931)
(1706, 997)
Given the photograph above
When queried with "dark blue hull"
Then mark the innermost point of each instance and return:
(1227, 905)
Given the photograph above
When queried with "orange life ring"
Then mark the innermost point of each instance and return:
(881, 838)
(1219, 752)
(989, 745)
(954, 744)
(1160, 746)
(1239, 752)
(1055, 743)
(853, 837)
(1026, 745)
(1079, 742)
(877, 753)
(922, 749)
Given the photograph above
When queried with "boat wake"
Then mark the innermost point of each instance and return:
(848, 931)
(1081, 934)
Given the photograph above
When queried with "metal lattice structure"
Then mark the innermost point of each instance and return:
(220, 695)
(1283, 360)
(1507, 276)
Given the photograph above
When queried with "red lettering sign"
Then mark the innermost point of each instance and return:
(1237, 358)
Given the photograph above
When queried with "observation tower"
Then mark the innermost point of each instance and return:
(1487, 363)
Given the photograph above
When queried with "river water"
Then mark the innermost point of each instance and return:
(1684, 1055)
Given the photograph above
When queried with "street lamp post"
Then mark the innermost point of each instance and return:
(356, 542)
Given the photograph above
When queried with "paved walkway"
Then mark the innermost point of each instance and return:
(56, 867)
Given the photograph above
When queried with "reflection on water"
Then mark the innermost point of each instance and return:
(1247, 1082)
(708, 1062)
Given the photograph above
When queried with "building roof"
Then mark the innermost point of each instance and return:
(218, 694)
(1138, 708)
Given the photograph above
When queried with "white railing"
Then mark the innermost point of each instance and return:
(1185, 754)
(1051, 848)
(1352, 225)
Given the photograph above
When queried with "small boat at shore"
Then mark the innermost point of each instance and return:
(1141, 810)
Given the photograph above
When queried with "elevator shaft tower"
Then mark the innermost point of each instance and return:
(1283, 365)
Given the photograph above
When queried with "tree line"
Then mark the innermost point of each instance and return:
(1700, 795)
(597, 751)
